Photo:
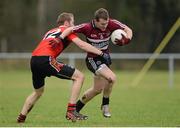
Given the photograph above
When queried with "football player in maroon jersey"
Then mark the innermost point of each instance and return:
(98, 33)
(44, 64)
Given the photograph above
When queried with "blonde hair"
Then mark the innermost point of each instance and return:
(64, 17)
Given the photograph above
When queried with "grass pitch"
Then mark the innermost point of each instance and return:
(151, 103)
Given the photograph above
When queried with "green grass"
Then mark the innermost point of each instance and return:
(151, 103)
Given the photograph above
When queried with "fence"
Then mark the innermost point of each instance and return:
(73, 56)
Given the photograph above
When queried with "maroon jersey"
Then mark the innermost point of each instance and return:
(97, 37)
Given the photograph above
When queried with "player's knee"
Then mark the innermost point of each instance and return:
(112, 79)
(39, 93)
(80, 76)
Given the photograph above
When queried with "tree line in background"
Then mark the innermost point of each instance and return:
(23, 22)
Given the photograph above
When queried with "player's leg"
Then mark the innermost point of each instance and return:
(104, 78)
(65, 71)
(78, 79)
(38, 84)
(107, 74)
(110, 77)
(91, 92)
(93, 65)
(29, 103)
(68, 72)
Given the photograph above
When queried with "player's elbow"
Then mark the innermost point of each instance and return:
(129, 32)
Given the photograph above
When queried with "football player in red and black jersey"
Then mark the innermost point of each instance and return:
(98, 33)
(44, 64)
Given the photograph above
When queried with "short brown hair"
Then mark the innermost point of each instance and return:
(64, 17)
(101, 14)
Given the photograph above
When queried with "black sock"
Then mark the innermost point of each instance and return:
(79, 105)
(105, 101)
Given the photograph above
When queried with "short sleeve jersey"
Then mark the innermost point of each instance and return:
(97, 37)
(46, 49)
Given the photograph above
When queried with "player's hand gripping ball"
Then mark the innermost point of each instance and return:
(119, 37)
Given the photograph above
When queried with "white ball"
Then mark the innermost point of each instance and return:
(117, 34)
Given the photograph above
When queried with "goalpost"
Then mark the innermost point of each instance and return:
(156, 53)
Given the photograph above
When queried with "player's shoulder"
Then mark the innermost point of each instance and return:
(83, 25)
(115, 22)
(112, 21)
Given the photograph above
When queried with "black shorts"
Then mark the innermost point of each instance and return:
(42, 66)
(93, 63)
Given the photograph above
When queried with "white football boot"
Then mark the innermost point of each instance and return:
(106, 111)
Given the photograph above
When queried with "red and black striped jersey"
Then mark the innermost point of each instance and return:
(45, 48)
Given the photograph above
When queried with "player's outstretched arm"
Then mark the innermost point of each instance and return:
(89, 48)
(86, 47)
